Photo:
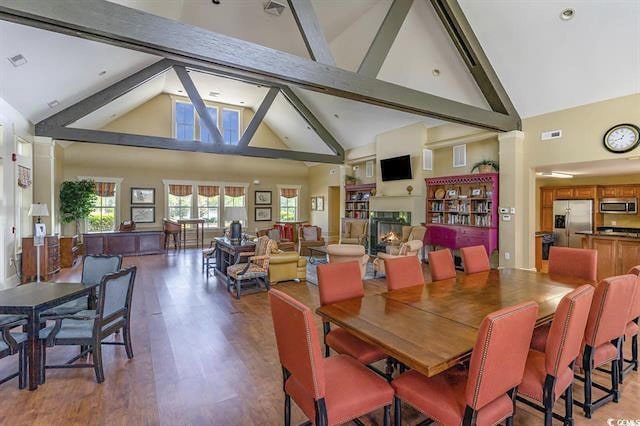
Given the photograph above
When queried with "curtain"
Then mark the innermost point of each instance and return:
(105, 189)
(234, 191)
(208, 191)
(288, 192)
(180, 190)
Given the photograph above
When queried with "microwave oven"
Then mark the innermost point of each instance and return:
(619, 205)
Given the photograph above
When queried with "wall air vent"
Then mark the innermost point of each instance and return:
(551, 134)
(427, 159)
(460, 155)
(274, 7)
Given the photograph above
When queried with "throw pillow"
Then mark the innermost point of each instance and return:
(274, 234)
(309, 233)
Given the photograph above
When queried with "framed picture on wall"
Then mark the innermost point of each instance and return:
(263, 214)
(143, 214)
(320, 203)
(143, 195)
(262, 198)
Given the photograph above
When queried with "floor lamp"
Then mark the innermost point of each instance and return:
(38, 210)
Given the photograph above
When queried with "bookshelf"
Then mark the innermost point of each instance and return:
(357, 200)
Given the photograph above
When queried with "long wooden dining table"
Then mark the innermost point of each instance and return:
(432, 327)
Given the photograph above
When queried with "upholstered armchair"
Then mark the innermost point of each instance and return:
(287, 266)
(354, 231)
(409, 233)
(337, 253)
(274, 234)
(256, 268)
(309, 236)
(410, 248)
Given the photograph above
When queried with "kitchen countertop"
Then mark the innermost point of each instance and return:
(611, 234)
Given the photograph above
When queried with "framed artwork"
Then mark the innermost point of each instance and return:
(476, 192)
(452, 193)
(313, 204)
(262, 198)
(143, 214)
(263, 214)
(143, 196)
(320, 203)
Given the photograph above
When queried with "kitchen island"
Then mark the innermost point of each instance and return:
(618, 250)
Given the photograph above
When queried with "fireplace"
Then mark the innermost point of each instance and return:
(384, 227)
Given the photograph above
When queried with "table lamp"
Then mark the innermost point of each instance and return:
(235, 215)
(38, 210)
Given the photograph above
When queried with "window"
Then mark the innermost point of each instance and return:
(103, 215)
(205, 136)
(208, 204)
(185, 121)
(234, 205)
(288, 204)
(179, 201)
(231, 126)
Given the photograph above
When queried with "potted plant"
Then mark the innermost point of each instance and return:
(77, 199)
(485, 166)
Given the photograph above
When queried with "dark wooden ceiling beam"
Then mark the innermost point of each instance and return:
(312, 34)
(122, 26)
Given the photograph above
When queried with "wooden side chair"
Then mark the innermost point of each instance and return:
(475, 259)
(89, 328)
(549, 375)
(442, 265)
(631, 332)
(329, 391)
(209, 257)
(574, 262)
(12, 343)
(403, 271)
(338, 282)
(256, 269)
(485, 393)
(171, 229)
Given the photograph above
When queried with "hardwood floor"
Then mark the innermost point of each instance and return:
(201, 358)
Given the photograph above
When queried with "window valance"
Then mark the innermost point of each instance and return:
(180, 190)
(289, 192)
(234, 191)
(208, 190)
(105, 189)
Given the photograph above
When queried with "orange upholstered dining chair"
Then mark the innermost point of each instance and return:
(441, 265)
(338, 282)
(329, 391)
(550, 374)
(485, 393)
(403, 271)
(475, 259)
(631, 332)
(574, 262)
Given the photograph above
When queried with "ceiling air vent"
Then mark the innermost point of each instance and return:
(460, 155)
(551, 134)
(274, 7)
(17, 60)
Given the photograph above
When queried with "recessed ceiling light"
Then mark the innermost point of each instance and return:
(180, 91)
(336, 115)
(17, 60)
(567, 14)
(214, 94)
(286, 137)
(308, 127)
(435, 72)
(54, 103)
(242, 102)
(113, 115)
(101, 73)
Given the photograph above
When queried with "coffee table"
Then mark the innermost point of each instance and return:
(319, 250)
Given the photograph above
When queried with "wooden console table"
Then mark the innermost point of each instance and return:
(227, 253)
(134, 243)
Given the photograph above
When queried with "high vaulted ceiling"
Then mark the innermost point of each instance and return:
(545, 63)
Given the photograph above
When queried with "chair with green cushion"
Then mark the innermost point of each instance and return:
(12, 343)
(88, 328)
(94, 267)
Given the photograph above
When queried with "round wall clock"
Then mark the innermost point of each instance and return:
(622, 138)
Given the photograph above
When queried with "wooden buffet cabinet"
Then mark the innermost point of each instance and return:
(49, 259)
(616, 254)
(133, 243)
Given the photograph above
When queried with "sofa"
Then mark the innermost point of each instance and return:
(337, 253)
(409, 233)
(354, 231)
(309, 236)
(287, 266)
(410, 248)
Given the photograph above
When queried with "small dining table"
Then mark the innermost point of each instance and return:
(199, 228)
(432, 327)
(31, 300)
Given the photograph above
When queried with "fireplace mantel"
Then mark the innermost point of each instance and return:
(393, 203)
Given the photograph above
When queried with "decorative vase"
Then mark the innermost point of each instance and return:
(409, 189)
(485, 168)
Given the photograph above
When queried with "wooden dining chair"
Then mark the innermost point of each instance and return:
(549, 375)
(338, 282)
(574, 262)
(475, 259)
(485, 393)
(403, 271)
(631, 332)
(329, 391)
(441, 265)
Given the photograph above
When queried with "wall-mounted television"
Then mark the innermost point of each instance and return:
(396, 168)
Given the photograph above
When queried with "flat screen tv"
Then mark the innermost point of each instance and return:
(396, 168)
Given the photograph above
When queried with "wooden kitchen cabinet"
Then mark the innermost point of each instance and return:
(619, 191)
(546, 219)
(585, 193)
(607, 191)
(628, 254)
(563, 193)
(626, 191)
(607, 253)
(616, 255)
(546, 197)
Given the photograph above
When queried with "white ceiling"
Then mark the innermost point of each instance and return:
(545, 64)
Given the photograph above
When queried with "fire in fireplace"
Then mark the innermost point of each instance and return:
(385, 228)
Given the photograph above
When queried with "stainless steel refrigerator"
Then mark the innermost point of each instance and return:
(569, 217)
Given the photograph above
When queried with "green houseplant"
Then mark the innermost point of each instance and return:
(77, 199)
(486, 166)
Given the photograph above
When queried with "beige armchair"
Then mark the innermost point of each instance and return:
(409, 233)
(337, 253)
(410, 248)
(309, 236)
(354, 231)
(287, 266)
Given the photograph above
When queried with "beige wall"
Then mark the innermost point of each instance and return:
(321, 177)
(476, 151)
(360, 174)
